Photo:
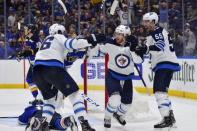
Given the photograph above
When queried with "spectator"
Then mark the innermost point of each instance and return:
(41, 36)
(93, 19)
(110, 31)
(125, 18)
(5, 50)
(190, 41)
(163, 14)
(11, 17)
(175, 17)
(72, 31)
(178, 41)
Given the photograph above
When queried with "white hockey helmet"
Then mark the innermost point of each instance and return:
(122, 29)
(61, 28)
(151, 16)
(56, 28)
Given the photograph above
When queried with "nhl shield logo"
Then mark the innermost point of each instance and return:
(122, 61)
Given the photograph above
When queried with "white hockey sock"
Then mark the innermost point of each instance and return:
(78, 104)
(112, 104)
(49, 109)
(164, 104)
(59, 101)
(122, 109)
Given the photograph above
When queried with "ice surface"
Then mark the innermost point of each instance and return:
(13, 102)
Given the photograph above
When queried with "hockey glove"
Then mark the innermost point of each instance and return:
(141, 50)
(133, 46)
(36, 102)
(94, 39)
(25, 53)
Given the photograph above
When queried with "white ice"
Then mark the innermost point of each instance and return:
(13, 102)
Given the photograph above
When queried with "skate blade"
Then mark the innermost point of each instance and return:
(173, 128)
(28, 129)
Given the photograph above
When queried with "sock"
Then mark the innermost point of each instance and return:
(164, 104)
(122, 109)
(78, 104)
(34, 90)
(49, 109)
(112, 104)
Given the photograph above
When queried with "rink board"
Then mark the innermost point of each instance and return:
(184, 83)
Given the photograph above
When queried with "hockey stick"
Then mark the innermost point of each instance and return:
(140, 75)
(15, 55)
(91, 101)
(113, 7)
(63, 6)
(8, 117)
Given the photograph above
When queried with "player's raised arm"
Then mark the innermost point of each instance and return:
(73, 43)
(69, 43)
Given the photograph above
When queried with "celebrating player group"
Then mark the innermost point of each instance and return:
(48, 74)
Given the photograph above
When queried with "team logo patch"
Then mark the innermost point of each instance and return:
(122, 61)
(125, 15)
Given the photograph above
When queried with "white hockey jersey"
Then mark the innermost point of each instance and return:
(121, 59)
(162, 54)
(51, 52)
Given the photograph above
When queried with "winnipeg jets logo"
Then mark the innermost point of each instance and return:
(122, 61)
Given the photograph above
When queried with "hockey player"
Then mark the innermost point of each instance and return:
(49, 70)
(29, 50)
(35, 107)
(119, 74)
(57, 122)
(163, 61)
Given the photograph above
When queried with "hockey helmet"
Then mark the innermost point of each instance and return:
(56, 29)
(151, 16)
(122, 29)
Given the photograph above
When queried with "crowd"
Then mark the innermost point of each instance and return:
(42, 13)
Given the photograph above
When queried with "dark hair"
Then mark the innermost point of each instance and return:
(32, 28)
